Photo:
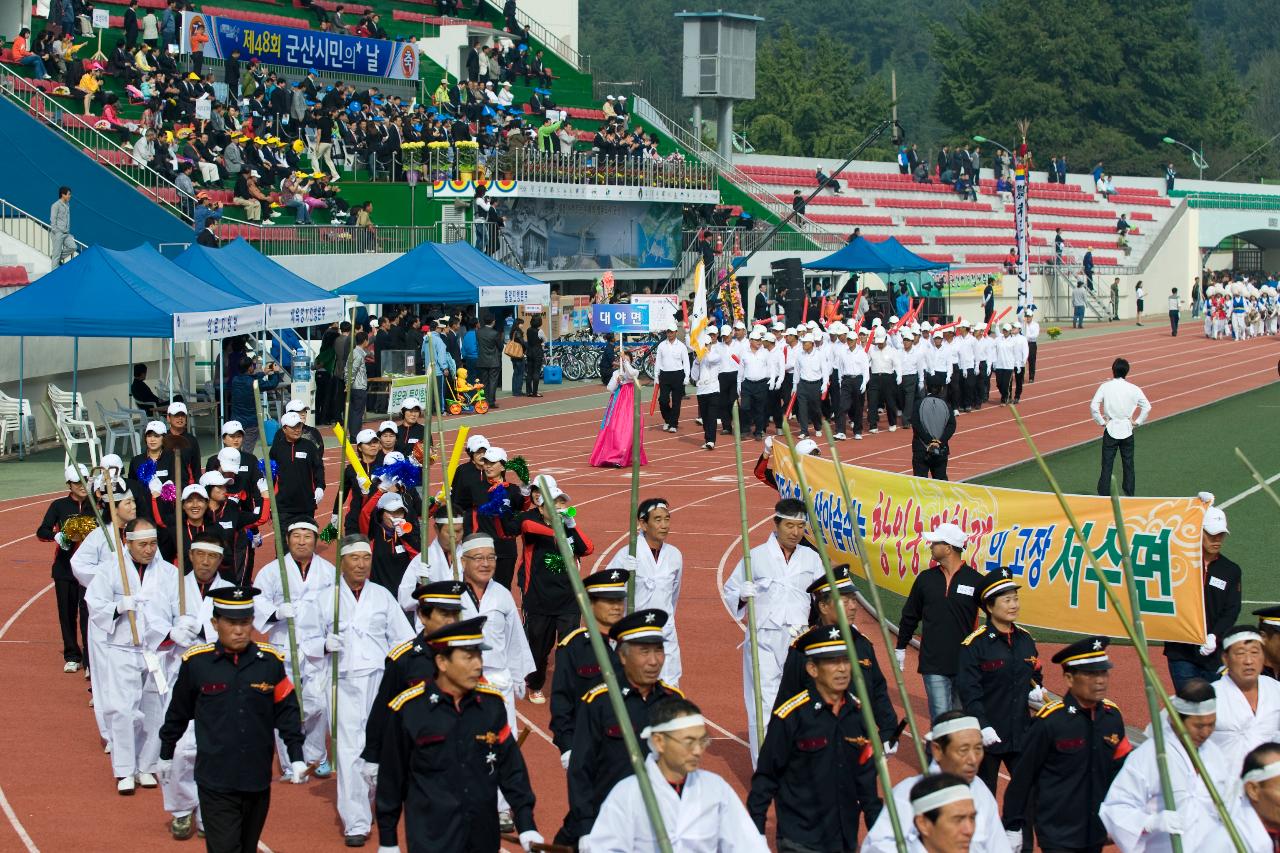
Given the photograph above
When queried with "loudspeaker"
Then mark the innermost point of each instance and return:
(787, 273)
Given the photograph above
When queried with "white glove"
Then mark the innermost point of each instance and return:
(333, 519)
(262, 485)
(748, 591)
(334, 643)
(570, 522)
(154, 486)
(768, 444)
(257, 540)
(530, 837)
(182, 637)
(824, 389)
(386, 484)
(1170, 823)
(1036, 694)
(519, 688)
(369, 771)
(364, 483)
(299, 770)
(187, 623)
(989, 736)
(319, 495)
(890, 748)
(564, 758)
(285, 611)
(1013, 836)
(63, 540)
(1210, 644)
(1207, 497)
(163, 766)
(901, 655)
(126, 604)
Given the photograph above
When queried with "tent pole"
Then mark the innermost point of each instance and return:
(171, 387)
(222, 380)
(22, 419)
(75, 379)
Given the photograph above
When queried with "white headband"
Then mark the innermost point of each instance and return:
(206, 546)
(357, 548)
(658, 505)
(959, 724)
(1240, 637)
(1262, 774)
(685, 722)
(445, 519)
(1193, 709)
(140, 535)
(475, 544)
(938, 799)
(784, 516)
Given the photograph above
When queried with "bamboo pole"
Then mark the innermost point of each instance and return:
(633, 534)
(1143, 657)
(109, 482)
(846, 634)
(294, 665)
(863, 557)
(447, 469)
(424, 529)
(177, 536)
(342, 517)
(606, 670)
(1262, 483)
(753, 641)
(1153, 686)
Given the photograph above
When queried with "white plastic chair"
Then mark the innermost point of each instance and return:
(75, 431)
(12, 429)
(119, 428)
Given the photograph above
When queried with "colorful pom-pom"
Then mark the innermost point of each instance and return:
(146, 470)
(168, 492)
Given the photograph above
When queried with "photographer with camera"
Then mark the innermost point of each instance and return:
(932, 429)
(206, 213)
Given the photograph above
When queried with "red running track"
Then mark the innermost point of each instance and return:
(56, 790)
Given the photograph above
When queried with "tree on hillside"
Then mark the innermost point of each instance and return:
(812, 99)
(1099, 81)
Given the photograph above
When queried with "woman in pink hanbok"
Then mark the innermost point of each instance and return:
(613, 444)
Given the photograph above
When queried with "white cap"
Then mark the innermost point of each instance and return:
(156, 427)
(365, 436)
(1215, 521)
(391, 426)
(177, 409)
(808, 338)
(738, 324)
(876, 323)
(1029, 311)
(881, 335)
(806, 447)
(494, 454)
(812, 325)
(76, 474)
(964, 324)
(837, 328)
(705, 338)
(672, 326)
(291, 419)
(947, 532)
(726, 329)
(477, 442)
(229, 459)
(553, 487)
(893, 319)
(112, 460)
(213, 478)
(758, 334)
(296, 406)
(194, 490)
(410, 403)
(232, 427)
(1008, 327)
(937, 336)
(926, 326)
(789, 332)
(778, 326)
(390, 501)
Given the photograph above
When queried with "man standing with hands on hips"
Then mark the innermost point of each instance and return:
(1112, 407)
(671, 360)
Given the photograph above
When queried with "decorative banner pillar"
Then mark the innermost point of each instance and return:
(1021, 228)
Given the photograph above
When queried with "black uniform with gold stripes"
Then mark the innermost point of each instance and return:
(996, 672)
(795, 679)
(443, 761)
(816, 766)
(576, 673)
(407, 665)
(599, 760)
(1069, 758)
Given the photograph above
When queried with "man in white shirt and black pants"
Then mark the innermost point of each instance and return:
(756, 375)
(1112, 407)
(1031, 331)
(671, 360)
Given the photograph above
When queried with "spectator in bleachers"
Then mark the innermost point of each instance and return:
(142, 62)
(448, 7)
(963, 186)
(904, 165)
(1097, 172)
(1105, 187)
(1062, 169)
(23, 56)
(539, 70)
(144, 150)
(943, 165)
(186, 188)
(123, 130)
(826, 181)
(1122, 226)
(1059, 245)
(61, 244)
(169, 24)
(1170, 175)
(797, 202)
(206, 212)
(131, 26)
(150, 29)
(293, 194)
(122, 67)
(509, 15)
(921, 173)
(43, 47)
(250, 197)
(473, 61)
(1011, 262)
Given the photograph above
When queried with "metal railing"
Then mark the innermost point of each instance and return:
(97, 145)
(26, 228)
(591, 168)
(352, 239)
(1232, 201)
(579, 61)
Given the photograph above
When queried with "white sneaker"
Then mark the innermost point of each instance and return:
(107, 748)
(126, 786)
(839, 436)
(70, 666)
(857, 436)
(147, 780)
(874, 430)
(275, 214)
(710, 445)
(698, 421)
(893, 427)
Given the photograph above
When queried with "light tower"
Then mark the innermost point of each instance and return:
(719, 63)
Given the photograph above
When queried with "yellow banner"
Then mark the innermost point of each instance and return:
(1026, 533)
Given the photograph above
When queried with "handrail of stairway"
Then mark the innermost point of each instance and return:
(20, 91)
(579, 61)
(10, 212)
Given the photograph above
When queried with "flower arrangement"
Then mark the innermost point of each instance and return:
(411, 153)
(468, 152)
(1053, 332)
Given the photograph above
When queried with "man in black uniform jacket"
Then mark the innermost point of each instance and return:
(233, 679)
(70, 595)
(599, 760)
(446, 752)
(945, 597)
(816, 764)
(410, 663)
(1072, 753)
(300, 470)
(998, 671)
(468, 482)
(1221, 604)
(795, 675)
(1269, 628)
(577, 670)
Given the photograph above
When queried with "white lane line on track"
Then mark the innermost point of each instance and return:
(4, 801)
(1255, 488)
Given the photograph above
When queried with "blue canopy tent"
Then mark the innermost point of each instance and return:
(110, 293)
(884, 259)
(451, 273)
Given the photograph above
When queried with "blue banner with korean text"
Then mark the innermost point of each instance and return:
(336, 53)
(620, 319)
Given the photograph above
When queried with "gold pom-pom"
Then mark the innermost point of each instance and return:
(77, 527)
